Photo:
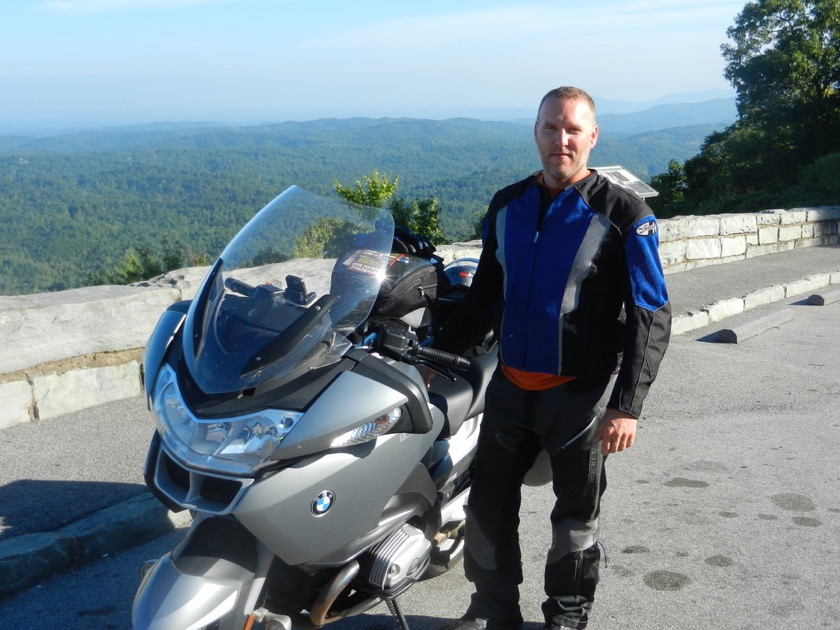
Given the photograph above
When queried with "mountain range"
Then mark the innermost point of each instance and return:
(74, 203)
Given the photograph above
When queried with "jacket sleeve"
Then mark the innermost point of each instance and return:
(476, 315)
(648, 323)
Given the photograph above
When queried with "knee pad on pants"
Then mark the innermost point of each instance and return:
(575, 574)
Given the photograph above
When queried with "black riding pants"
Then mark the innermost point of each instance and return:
(517, 424)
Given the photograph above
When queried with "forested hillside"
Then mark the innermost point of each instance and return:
(71, 205)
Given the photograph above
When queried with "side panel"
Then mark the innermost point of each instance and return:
(361, 482)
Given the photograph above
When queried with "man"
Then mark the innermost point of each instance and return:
(570, 261)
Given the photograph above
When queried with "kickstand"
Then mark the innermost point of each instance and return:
(394, 607)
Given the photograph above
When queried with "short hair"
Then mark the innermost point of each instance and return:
(567, 92)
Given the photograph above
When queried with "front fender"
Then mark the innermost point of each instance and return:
(171, 600)
(207, 578)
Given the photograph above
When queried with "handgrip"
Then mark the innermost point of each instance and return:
(441, 357)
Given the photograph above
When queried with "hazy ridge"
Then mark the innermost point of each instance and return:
(73, 203)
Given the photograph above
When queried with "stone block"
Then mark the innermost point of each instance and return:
(768, 234)
(672, 252)
(807, 285)
(825, 228)
(15, 403)
(733, 246)
(690, 321)
(769, 217)
(48, 327)
(812, 242)
(762, 297)
(186, 281)
(60, 394)
(737, 224)
(790, 232)
(795, 216)
(771, 248)
(824, 213)
(725, 308)
(703, 248)
(689, 227)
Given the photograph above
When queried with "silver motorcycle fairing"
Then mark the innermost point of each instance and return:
(375, 486)
(350, 401)
(164, 333)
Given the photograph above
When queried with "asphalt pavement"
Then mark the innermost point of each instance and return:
(71, 488)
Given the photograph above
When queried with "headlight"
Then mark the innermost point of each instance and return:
(247, 440)
(368, 431)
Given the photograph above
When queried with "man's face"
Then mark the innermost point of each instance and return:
(565, 133)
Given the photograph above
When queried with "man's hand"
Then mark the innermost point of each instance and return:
(618, 431)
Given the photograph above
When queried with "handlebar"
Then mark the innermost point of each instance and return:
(237, 286)
(441, 357)
(404, 346)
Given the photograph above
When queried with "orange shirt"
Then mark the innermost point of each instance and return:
(533, 381)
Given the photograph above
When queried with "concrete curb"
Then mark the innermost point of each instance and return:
(25, 560)
(755, 327)
(722, 309)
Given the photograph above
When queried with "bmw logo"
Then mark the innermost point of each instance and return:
(322, 503)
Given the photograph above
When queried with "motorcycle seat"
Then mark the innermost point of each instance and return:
(454, 399)
(463, 397)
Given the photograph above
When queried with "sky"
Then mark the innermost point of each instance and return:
(74, 63)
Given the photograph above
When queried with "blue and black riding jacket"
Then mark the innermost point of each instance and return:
(578, 285)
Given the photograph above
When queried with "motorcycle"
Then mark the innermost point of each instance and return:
(323, 477)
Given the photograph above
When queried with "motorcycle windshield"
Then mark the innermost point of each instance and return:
(283, 295)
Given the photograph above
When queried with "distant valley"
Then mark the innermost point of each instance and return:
(73, 203)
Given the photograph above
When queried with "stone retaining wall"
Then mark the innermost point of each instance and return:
(64, 352)
(691, 242)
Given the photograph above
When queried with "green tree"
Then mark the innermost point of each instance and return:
(326, 238)
(373, 190)
(783, 59)
(784, 62)
(671, 187)
(421, 217)
(142, 263)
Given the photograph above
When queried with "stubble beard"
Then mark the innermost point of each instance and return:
(562, 174)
